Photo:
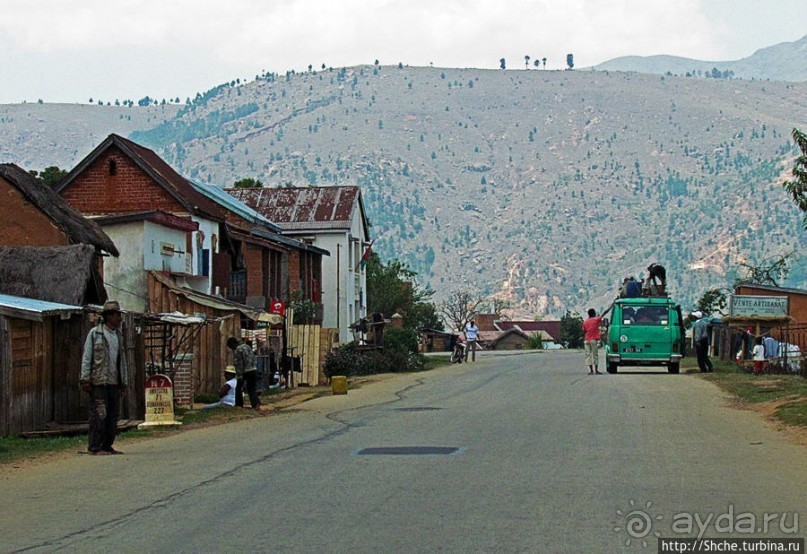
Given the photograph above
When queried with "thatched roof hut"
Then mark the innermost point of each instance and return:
(62, 274)
(77, 228)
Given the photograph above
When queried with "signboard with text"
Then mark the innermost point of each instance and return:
(159, 401)
(750, 306)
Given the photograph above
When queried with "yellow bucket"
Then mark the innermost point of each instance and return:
(339, 384)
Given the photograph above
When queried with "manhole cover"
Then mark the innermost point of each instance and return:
(418, 409)
(408, 451)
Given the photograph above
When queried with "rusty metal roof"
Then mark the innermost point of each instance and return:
(305, 208)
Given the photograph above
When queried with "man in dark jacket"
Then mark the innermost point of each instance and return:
(104, 376)
(246, 372)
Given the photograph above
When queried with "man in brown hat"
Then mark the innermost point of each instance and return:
(104, 376)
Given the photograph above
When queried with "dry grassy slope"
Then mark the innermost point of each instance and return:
(35, 136)
(543, 188)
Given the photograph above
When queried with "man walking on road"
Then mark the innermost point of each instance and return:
(700, 335)
(591, 328)
(471, 336)
(104, 376)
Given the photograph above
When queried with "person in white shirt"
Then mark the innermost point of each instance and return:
(759, 356)
(471, 336)
(227, 391)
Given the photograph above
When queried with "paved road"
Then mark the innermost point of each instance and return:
(520, 453)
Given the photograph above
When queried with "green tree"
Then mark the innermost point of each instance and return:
(248, 183)
(392, 288)
(527, 61)
(570, 60)
(50, 176)
(797, 188)
(537, 63)
(713, 300)
(571, 330)
(502, 63)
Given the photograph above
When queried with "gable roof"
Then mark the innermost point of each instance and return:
(770, 288)
(550, 327)
(155, 167)
(77, 228)
(62, 274)
(306, 208)
(263, 228)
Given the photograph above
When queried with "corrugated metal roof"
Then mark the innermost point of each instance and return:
(304, 208)
(232, 203)
(31, 308)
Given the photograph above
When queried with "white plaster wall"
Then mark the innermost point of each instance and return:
(208, 229)
(329, 242)
(352, 285)
(125, 276)
(153, 257)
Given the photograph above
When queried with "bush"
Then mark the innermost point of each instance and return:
(399, 355)
(535, 342)
(401, 339)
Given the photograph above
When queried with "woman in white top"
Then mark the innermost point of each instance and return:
(759, 356)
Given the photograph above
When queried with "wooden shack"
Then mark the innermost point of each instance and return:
(44, 292)
(37, 354)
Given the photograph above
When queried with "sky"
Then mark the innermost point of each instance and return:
(71, 51)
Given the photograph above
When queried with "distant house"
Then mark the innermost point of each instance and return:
(549, 330)
(333, 219)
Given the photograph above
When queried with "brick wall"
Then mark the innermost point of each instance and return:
(97, 191)
(183, 381)
(23, 223)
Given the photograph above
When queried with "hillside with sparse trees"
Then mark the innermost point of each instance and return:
(541, 189)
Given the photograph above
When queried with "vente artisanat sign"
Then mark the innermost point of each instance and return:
(747, 306)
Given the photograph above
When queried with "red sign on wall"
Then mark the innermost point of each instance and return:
(278, 308)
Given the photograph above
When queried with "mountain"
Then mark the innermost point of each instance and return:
(783, 62)
(540, 188)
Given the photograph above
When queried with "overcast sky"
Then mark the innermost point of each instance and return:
(74, 50)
